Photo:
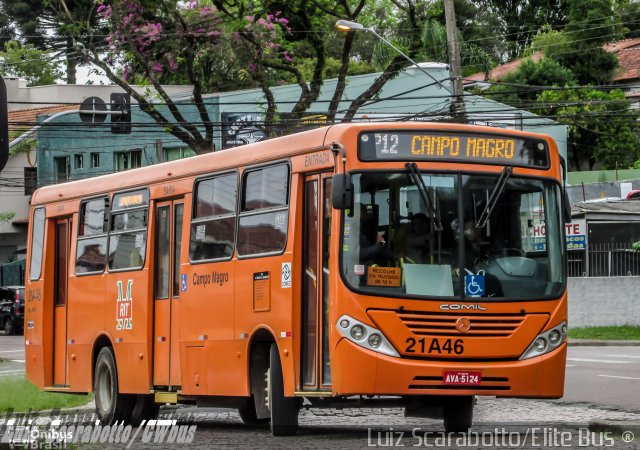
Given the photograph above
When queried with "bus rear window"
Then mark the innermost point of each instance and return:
(37, 241)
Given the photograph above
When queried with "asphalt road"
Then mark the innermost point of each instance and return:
(606, 376)
(12, 352)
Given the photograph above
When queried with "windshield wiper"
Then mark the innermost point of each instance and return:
(434, 212)
(494, 197)
(416, 178)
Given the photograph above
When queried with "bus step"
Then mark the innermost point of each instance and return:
(166, 397)
(57, 389)
(312, 394)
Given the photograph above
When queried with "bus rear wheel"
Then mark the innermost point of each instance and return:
(458, 414)
(247, 412)
(111, 405)
(144, 408)
(284, 410)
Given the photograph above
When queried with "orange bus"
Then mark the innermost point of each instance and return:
(400, 264)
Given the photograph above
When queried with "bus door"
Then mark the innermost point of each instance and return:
(168, 239)
(316, 371)
(61, 269)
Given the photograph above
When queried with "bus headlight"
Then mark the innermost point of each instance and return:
(357, 333)
(547, 341)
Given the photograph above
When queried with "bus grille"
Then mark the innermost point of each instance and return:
(444, 324)
(435, 383)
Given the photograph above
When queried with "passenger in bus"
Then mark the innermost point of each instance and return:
(373, 248)
(92, 259)
(418, 241)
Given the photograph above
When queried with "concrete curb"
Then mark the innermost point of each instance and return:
(602, 343)
(629, 430)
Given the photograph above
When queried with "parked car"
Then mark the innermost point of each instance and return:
(634, 195)
(12, 309)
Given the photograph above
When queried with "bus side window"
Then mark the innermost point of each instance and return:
(128, 234)
(264, 214)
(213, 226)
(91, 253)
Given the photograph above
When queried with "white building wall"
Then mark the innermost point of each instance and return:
(12, 199)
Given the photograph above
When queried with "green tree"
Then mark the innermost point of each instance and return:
(590, 23)
(37, 22)
(262, 43)
(521, 20)
(6, 216)
(602, 126)
(524, 84)
(25, 61)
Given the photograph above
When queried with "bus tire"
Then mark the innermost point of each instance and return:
(9, 327)
(284, 410)
(247, 412)
(111, 406)
(458, 414)
(144, 408)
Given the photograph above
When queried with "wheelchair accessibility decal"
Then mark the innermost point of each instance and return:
(474, 284)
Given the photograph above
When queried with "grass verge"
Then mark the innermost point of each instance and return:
(21, 395)
(612, 333)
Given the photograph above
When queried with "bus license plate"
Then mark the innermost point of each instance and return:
(461, 377)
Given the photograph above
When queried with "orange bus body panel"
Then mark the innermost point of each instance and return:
(215, 322)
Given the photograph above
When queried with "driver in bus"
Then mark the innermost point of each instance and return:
(476, 251)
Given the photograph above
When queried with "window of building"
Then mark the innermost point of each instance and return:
(262, 227)
(91, 253)
(95, 160)
(63, 169)
(128, 233)
(171, 154)
(128, 160)
(30, 180)
(214, 220)
(78, 161)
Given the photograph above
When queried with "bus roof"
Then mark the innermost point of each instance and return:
(249, 154)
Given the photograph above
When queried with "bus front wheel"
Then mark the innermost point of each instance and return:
(458, 414)
(111, 406)
(284, 410)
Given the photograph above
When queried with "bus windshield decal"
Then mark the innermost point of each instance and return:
(453, 147)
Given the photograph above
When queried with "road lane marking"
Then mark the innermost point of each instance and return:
(16, 360)
(571, 365)
(618, 376)
(604, 361)
(623, 356)
(10, 351)
(12, 371)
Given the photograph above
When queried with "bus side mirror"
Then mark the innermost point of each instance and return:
(342, 191)
(566, 207)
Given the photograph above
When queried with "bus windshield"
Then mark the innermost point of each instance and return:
(418, 234)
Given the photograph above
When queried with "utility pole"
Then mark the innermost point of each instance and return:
(457, 102)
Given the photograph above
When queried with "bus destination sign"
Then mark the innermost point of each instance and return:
(453, 147)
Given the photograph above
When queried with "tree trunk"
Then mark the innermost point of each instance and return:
(71, 63)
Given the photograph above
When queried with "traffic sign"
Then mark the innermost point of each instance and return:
(92, 104)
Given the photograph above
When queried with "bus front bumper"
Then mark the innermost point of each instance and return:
(360, 371)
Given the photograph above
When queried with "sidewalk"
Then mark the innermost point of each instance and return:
(602, 343)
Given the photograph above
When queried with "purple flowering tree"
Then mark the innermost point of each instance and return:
(256, 43)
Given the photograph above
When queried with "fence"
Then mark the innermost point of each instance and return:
(604, 260)
(12, 274)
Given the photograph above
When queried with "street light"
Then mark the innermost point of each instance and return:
(347, 25)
